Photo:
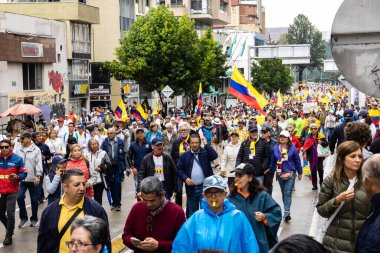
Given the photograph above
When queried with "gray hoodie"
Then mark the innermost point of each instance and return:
(33, 161)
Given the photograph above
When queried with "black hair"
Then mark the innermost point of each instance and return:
(71, 173)
(254, 187)
(6, 141)
(299, 243)
(196, 136)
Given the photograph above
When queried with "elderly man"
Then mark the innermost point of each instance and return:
(218, 225)
(368, 239)
(193, 167)
(161, 166)
(153, 223)
(57, 217)
(180, 146)
(114, 147)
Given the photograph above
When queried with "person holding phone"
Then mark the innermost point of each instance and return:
(53, 179)
(12, 171)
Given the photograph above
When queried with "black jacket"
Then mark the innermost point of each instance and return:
(261, 159)
(174, 153)
(147, 169)
(48, 230)
(337, 136)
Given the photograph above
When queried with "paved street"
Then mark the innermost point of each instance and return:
(25, 239)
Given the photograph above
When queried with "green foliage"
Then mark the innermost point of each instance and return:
(303, 32)
(161, 50)
(271, 75)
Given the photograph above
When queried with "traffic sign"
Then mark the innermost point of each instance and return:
(167, 91)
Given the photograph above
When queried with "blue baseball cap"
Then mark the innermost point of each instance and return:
(156, 141)
(58, 159)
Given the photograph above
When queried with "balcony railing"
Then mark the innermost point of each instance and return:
(46, 1)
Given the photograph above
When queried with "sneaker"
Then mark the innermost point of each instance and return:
(113, 208)
(33, 223)
(287, 218)
(22, 223)
(314, 188)
(118, 208)
(7, 240)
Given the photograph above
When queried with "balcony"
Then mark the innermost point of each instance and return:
(73, 10)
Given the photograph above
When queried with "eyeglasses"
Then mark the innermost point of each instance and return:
(4, 147)
(79, 245)
(216, 194)
(149, 222)
(183, 130)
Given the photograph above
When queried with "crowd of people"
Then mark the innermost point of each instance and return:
(224, 163)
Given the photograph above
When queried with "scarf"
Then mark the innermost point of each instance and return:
(253, 145)
(184, 145)
(312, 142)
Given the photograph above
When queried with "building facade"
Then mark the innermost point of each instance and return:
(248, 15)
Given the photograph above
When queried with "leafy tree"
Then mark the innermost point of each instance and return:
(161, 50)
(303, 32)
(283, 40)
(271, 75)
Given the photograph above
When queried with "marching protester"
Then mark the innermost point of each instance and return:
(228, 160)
(53, 179)
(343, 199)
(154, 222)
(217, 226)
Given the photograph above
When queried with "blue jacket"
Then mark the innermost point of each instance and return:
(368, 240)
(48, 229)
(207, 131)
(228, 231)
(266, 235)
(45, 151)
(186, 160)
(136, 153)
(148, 135)
(57, 193)
(120, 148)
(292, 164)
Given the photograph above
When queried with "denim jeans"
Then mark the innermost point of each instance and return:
(8, 205)
(286, 190)
(136, 181)
(116, 188)
(194, 197)
(33, 192)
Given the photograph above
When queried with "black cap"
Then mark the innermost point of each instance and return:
(235, 133)
(265, 129)
(252, 128)
(348, 113)
(156, 141)
(244, 168)
(72, 140)
(25, 135)
(140, 129)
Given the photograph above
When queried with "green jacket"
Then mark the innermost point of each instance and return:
(342, 232)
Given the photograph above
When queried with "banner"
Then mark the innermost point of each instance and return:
(307, 107)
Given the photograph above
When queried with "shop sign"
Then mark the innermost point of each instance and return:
(100, 89)
(29, 49)
(80, 89)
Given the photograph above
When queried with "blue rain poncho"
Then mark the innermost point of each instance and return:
(228, 231)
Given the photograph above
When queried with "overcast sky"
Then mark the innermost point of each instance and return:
(281, 13)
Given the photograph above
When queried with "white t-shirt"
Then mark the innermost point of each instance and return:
(159, 167)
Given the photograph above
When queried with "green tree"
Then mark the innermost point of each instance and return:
(161, 50)
(303, 32)
(271, 75)
(283, 40)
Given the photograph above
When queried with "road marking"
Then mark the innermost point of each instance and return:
(118, 245)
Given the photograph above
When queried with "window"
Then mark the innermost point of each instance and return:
(78, 70)
(176, 3)
(127, 14)
(99, 74)
(59, 58)
(32, 76)
(81, 38)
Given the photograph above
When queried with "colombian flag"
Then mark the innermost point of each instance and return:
(139, 113)
(198, 107)
(280, 100)
(334, 95)
(275, 98)
(243, 90)
(121, 112)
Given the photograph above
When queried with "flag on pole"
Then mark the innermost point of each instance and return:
(243, 90)
(121, 112)
(198, 107)
(139, 113)
(334, 95)
(280, 99)
(275, 97)
(127, 88)
(156, 109)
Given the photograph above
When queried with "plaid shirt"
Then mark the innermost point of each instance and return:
(330, 121)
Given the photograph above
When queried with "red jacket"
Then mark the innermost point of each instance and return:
(296, 142)
(13, 164)
(82, 165)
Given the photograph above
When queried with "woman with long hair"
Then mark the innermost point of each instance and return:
(262, 211)
(55, 144)
(98, 161)
(78, 161)
(343, 230)
(153, 132)
(286, 163)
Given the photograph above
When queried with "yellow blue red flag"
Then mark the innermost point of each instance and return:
(244, 91)
(198, 107)
(139, 113)
(121, 112)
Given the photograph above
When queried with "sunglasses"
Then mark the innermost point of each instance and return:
(313, 128)
(4, 147)
(193, 122)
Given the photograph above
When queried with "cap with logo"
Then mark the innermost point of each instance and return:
(214, 182)
(156, 141)
(252, 128)
(348, 113)
(244, 168)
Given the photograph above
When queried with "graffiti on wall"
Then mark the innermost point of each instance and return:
(56, 81)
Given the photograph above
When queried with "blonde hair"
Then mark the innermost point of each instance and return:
(72, 149)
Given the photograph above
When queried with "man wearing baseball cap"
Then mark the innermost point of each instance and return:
(53, 179)
(161, 166)
(337, 136)
(217, 219)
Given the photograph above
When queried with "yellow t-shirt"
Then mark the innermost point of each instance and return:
(65, 215)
